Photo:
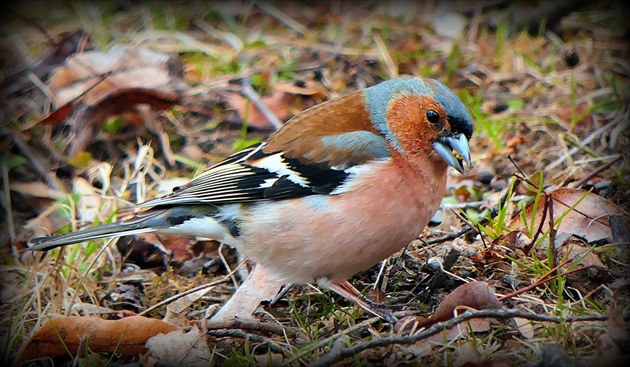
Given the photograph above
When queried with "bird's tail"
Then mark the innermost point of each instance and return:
(131, 226)
(104, 231)
(182, 219)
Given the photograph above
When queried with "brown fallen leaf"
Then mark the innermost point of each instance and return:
(589, 219)
(98, 85)
(126, 336)
(127, 67)
(55, 117)
(525, 327)
(576, 249)
(475, 295)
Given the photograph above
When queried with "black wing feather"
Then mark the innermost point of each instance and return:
(238, 179)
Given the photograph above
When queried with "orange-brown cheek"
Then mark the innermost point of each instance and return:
(406, 117)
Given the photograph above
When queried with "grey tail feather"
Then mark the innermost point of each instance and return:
(104, 231)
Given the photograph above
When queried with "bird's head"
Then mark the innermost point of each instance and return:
(422, 117)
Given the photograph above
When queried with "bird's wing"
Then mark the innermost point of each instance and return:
(311, 154)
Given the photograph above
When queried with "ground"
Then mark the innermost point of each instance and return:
(109, 104)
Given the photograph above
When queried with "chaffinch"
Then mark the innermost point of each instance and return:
(339, 188)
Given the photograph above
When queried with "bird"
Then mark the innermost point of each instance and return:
(337, 189)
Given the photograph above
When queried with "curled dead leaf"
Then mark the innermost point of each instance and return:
(476, 295)
(128, 67)
(112, 84)
(62, 333)
(588, 219)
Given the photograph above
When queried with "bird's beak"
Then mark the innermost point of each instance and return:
(454, 150)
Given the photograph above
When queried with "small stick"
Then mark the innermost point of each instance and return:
(50, 179)
(337, 355)
(599, 170)
(250, 93)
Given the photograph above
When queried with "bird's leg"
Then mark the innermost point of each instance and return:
(260, 285)
(350, 288)
(347, 285)
(349, 292)
(283, 291)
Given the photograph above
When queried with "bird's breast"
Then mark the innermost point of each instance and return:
(335, 236)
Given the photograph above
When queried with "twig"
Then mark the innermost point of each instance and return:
(236, 333)
(331, 339)
(599, 170)
(249, 92)
(6, 203)
(50, 179)
(539, 231)
(552, 234)
(284, 18)
(227, 266)
(523, 177)
(575, 149)
(337, 355)
(545, 278)
(249, 325)
(448, 237)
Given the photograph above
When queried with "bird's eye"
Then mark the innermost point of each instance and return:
(433, 116)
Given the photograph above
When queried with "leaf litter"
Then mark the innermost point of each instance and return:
(555, 102)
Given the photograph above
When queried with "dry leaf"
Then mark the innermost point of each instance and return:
(575, 249)
(126, 336)
(181, 304)
(525, 327)
(476, 295)
(112, 83)
(130, 67)
(181, 349)
(589, 219)
(282, 102)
